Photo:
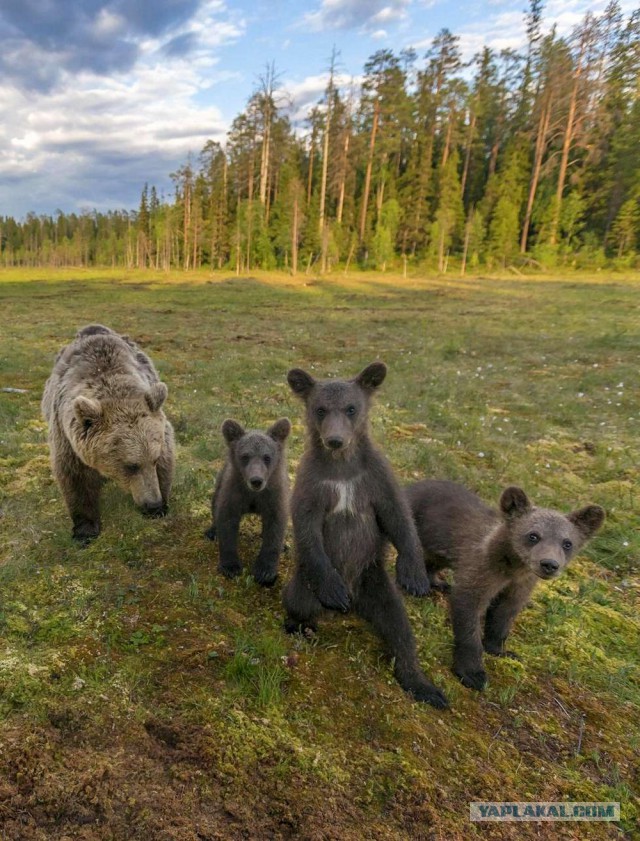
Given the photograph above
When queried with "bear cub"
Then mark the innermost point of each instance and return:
(253, 480)
(103, 403)
(346, 505)
(497, 558)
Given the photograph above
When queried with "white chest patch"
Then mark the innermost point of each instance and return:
(346, 493)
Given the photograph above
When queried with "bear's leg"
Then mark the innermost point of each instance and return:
(501, 614)
(227, 527)
(265, 566)
(164, 469)
(379, 603)
(468, 607)
(301, 605)
(80, 487)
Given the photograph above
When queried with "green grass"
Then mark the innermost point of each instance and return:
(143, 696)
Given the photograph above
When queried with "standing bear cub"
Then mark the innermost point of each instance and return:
(497, 559)
(103, 403)
(346, 505)
(253, 480)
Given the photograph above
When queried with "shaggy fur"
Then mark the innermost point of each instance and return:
(498, 557)
(253, 480)
(103, 403)
(346, 504)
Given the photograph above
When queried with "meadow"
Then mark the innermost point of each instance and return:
(143, 696)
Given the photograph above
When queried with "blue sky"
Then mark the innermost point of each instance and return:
(99, 96)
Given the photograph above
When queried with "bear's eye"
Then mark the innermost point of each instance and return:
(267, 459)
(350, 410)
(245, 459)
(131, 469)
(320, 412)
(533, 537)
(566, 545)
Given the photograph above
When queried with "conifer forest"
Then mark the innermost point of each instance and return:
(514, 159)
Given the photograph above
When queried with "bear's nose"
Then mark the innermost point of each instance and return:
(549, 566)
(256, 483)
(155, 510)
(334, 443)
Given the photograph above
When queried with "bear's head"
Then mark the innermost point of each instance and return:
(546, 540)
(123, 439)
(256, 455)
(337, 410)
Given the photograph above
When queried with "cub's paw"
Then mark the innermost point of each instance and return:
(472, 678)
(265, 569)
(438, 585)
(265, 577)
(306, 629)
(501, 652)
(414, 581)
(211, 533)
(230, 568)
(333, 594)
(429, 694)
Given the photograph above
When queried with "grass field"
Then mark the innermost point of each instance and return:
(143, 696)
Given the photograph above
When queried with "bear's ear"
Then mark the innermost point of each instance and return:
(156, 396)
(87, 411)
(280, 429)
(372, 376)
(300, 382)
(514, 502)
(587, 520)
(232, 431)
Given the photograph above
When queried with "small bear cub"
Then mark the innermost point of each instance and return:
(497, 558)
(346, 505)
(253, 480)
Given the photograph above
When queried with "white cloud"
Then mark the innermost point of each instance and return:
(364, 15)
(93, 140)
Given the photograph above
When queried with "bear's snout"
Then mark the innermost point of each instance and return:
(334, 443)
(154, 509)
(256, 483)
(549, 567)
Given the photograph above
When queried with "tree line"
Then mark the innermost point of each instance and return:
(516, 158)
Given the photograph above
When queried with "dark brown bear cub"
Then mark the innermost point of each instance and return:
(497, 558)
(346, 504)
(253, 481)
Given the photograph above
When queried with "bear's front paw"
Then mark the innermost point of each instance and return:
(472, 678)
(230, 567)
(417, 685)
(211, 533)
(265, 569)
(333, 594)
(306, 629)
(439, 585)
(499, 651)
(411, 578)
(86, 531)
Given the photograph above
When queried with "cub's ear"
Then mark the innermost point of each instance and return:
(372, 376)
(514, 502)
(280, 429)
(300, 382)
(587, 520)
(87, 411)
(232, 431)
(156, 396)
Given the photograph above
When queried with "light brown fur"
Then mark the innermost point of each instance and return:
(103, 402)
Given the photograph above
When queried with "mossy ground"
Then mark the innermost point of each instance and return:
(142, 696)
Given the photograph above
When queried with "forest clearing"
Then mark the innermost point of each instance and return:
(144, 696)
